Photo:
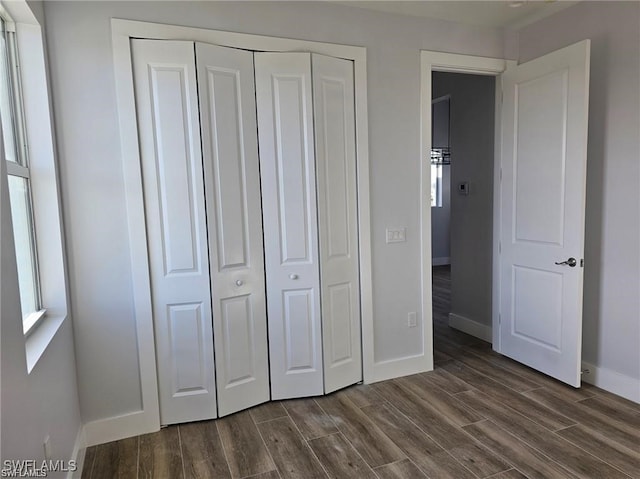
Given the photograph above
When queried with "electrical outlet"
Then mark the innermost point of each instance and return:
(397, 235)
(412, 320)
(47, 448)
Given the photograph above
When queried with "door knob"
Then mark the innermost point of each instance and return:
(239, 282)
(293, 276)
(570, 262)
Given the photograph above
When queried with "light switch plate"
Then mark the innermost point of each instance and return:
(397, 235)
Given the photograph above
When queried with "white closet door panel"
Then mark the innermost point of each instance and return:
(287, 161)
(333, 94)
(230, 149)
(167, 108)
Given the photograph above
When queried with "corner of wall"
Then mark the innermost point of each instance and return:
(78, 455)
(471, 327)
(395, 368)
(511, 43)
(119, 427)
(612, 381)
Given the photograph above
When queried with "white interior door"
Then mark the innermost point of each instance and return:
(287, 161)
(542, 207)
(232, 180)
(169, 132)
(333, 100)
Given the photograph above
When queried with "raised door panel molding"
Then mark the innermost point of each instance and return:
(340, 326)
(174, 161)
(188, 349)
(336, 150)
(537, 307)
(300, 326)
(229, 165)
(238, 345)
(540, 158)
(293, 177)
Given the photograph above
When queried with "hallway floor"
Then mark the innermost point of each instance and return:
(477, 415)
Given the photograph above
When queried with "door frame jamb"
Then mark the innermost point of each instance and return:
(431, 61)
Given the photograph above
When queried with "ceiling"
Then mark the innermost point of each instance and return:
(486, 13)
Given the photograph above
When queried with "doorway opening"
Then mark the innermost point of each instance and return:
(461, 167)
(539, 179)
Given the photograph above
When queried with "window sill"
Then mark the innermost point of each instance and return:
(40, 337)
(32, 321)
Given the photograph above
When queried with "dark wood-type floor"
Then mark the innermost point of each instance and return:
(477, 415)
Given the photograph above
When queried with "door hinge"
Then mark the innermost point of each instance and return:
(581, 262)
(501, 175)
(499, 247)
(499, 318)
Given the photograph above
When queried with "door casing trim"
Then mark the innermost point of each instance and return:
(147, 419)
(430, 62)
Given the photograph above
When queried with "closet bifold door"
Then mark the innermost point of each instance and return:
(333, 107)
(169, 135)
(232, 184)
(287, 169)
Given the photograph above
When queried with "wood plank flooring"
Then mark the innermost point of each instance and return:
(477, 415)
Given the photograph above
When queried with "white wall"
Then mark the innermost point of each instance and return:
(45, 401)
(472, 107)
(92, 178)
(611, 333)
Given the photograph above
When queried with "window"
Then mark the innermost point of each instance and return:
(440, 157)
(436, 185)
(16, 156)
(440, 140)
(33, 191)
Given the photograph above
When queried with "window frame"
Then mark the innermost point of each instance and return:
(44, 178)
(20, 167)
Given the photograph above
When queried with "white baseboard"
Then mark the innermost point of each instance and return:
(612, 381)
(395, 368)
(440, 261)
(469, 326)
(119, 427)
(78, 455)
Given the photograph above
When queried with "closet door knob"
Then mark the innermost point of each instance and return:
(293, 276)
(239, 282)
